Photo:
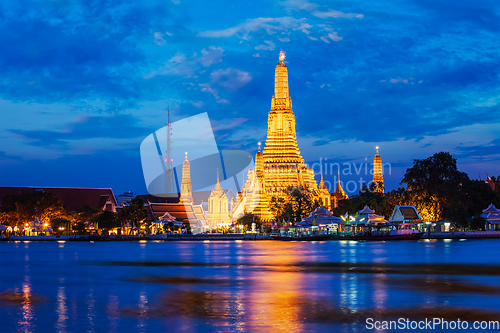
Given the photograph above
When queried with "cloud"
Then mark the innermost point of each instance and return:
(335, 14)
(159, 38)
(284, 40)
(313, 9)
(206, 87)
(270, 25)
(333, 36)
(198, 104)
(230, 78)
(227, 124)
(399, 80)
(211, 56)
(268, 46)
(483, 151)
(75, 51)
(115, 126)
(182, 65)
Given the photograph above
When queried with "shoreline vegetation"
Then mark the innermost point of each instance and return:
(460, 235)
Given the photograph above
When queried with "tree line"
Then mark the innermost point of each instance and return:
(21, 209)
(434, 185)
(438, 190)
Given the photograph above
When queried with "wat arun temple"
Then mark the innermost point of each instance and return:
(279, 166)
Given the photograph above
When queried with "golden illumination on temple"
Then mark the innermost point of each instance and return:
(280, 165)
(283, 164)
(378, 177)
(218, 214)
(339, 193)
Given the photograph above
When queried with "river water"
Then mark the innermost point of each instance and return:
(266, 286)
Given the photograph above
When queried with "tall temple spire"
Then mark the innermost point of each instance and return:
(279, 165)
(322, 183)
(324, 194)
(186, 187)
(339, 191)
(281, 143)
(217, 186)
(378, 177)
(259, 164)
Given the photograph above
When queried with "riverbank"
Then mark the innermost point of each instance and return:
(170, 237)
(229, 237)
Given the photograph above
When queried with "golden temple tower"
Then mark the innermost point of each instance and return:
(339, 193)
(260, 200)
(186, 187)
(280, 164)
(283, 164)
(324, 195)
(378, 177)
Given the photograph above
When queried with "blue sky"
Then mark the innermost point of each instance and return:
(84, 82)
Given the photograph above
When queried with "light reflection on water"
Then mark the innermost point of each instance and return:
(239, 286)
(26, 322)
(91, 311)
(61, 308)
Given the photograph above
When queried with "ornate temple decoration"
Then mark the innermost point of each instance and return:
(324, 194)
(218, 208)
(283, 164)
(186, 187)
(378, 178)
(339, 193)
(280, 165)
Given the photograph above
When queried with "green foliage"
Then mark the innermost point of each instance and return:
(24, 208)
(248, 219)
(477, 223)
(60, 222)
(106, 220)
(298, 203)
(437, 189)
(379, 202)
(134, 213)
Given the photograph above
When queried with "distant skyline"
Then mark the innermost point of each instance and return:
(84, 82)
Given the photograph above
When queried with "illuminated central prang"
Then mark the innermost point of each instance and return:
(280, 165)
(283, 164)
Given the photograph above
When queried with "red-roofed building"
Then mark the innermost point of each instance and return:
(72, 197)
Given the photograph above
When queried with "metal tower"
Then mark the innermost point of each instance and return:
(169, 170)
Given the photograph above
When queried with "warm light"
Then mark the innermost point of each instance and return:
(376, 147)
(45, 224)
(282, 55)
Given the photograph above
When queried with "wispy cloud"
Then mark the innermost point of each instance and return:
(270, 25)
(181, 64)
(313, 8)
(230, 78)
(332, 36)
(269, 45)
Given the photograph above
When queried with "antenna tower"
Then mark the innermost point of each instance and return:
(169, 170)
